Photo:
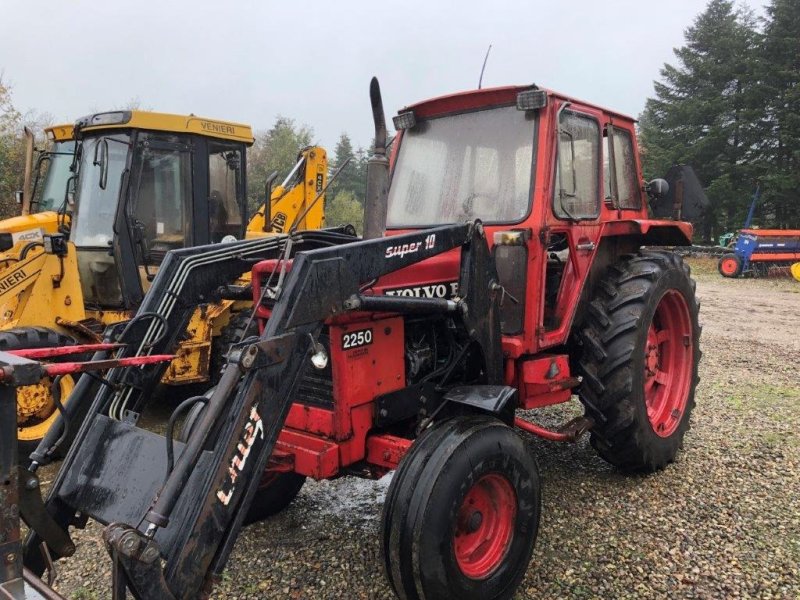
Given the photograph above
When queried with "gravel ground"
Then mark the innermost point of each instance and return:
(723, 521)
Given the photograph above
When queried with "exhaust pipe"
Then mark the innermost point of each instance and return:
(375, 204)
(26, 185)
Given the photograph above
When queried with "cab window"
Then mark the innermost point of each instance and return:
(576, 194)
(162, 193)
(226, 194)
(627, 194)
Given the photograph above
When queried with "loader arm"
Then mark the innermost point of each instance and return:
(193, 514)
(289, 200)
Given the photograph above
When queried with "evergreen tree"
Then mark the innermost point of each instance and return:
(353, 178)
(780, 126)
(704, 107)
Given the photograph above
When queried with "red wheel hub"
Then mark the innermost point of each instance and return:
(485, 526)
(668, 363)
(729, 266)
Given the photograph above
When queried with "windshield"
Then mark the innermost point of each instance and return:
(475, 165)
(53, 188)
(95, 207)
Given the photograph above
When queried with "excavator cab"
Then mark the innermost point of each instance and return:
(148, 183)
(52, 173)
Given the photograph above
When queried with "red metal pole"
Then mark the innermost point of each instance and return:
(553, 436)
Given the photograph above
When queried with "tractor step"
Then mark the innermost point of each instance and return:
(546, 380)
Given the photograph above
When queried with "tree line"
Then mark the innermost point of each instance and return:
(274, 150)
(730, 107)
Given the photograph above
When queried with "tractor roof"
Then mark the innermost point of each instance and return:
(486, 97)
(60, 133)
(140, 119)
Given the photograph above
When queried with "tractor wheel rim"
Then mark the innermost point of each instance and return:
(34, 428)
(729, 266)
(484, 526)
(668, 363)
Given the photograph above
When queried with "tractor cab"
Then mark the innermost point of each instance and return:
(148, 183)
(549, 176)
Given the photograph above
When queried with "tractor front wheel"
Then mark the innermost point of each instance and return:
(462, 513)
(639, 360)
(730, 265)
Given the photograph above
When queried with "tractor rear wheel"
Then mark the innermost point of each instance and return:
(639, 360)
(276, 492)
(730, 265)
(36, 410)
(462, 513)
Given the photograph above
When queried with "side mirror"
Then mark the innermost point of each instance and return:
(101, 160)
(18, 196)
(657, 189)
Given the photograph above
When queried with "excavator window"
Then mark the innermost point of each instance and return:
(93, 223)
(53, 173)
(226, 193)
(161, 192)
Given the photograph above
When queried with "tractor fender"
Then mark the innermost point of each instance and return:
(651, 232)
(496, 400)
(627, 236)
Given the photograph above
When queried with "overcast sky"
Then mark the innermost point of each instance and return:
(250, 61)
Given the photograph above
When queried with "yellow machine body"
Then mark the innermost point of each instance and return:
(289, 202)
(795, 269)
(40, 289)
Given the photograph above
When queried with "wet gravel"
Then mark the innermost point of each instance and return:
(722, 522)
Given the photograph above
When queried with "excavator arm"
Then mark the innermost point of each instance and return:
(289, 200)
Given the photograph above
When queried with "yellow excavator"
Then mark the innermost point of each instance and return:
(44, 188)
(140, 184)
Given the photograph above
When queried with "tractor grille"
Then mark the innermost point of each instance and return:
(316, 387)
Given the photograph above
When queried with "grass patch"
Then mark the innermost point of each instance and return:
(702, 265)
(774, 402)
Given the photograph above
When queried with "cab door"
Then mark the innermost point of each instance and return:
(220, 202)
(160, 200)
(572, 221)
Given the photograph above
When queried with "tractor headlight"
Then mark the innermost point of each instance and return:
(531, 100)
(509, 238)
(404, 120)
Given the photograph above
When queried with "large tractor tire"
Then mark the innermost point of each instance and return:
(730, 265)
(639, 360)
(276, 492)
(36, 411)
(462, 513)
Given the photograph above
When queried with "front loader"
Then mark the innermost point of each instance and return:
(138, 184)
(510, 276)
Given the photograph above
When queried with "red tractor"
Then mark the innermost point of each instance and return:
(502, 270)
